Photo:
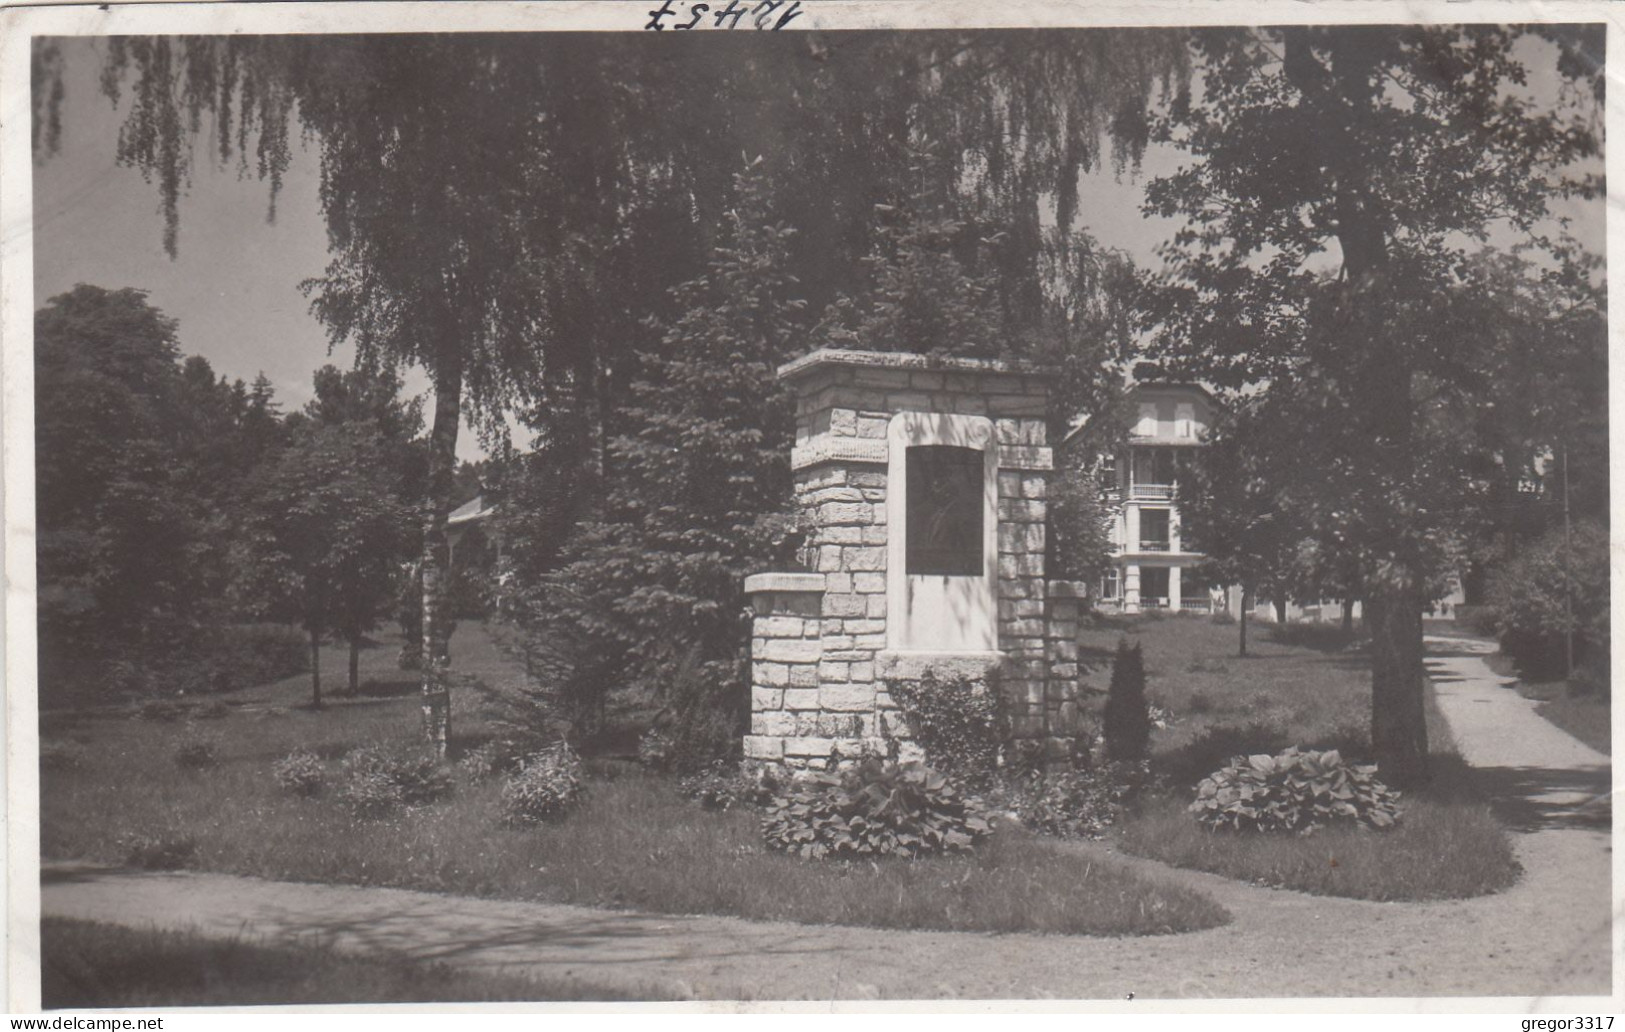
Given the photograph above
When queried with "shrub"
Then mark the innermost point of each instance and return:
(962, 724)
(1126, 722)
(197, 752)
(157, 852)
(208, 659)
(479, 764)
(377, 780)
(1477, 619)
(702, 724)
(1223, 619)
(1549, 590)
(1082, 803)
(724, 786)
(1310, 634)
(370, 793)
(300, 773)
(875, 808)
(1294, 791)
(545, 788)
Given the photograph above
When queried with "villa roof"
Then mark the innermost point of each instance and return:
(471, 511)
(902, 360)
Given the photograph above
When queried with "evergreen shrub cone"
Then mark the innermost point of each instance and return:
(1127, 723)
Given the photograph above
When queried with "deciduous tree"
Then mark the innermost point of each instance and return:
(324, 536)
(1342, 179)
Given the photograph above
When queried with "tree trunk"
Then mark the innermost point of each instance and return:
(355, 664)
(1280, 611)
(1246, 604)
(1337, 97)
(1399, 738)
(436, 620)
(316, 669)
(1348, 618)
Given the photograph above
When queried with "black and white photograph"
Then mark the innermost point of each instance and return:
(724, 504)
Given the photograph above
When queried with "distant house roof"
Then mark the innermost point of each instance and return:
(1173, 386)
(471, 511)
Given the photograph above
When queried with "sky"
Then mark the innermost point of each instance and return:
(234, 286)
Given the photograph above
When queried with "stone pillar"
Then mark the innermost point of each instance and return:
(785, 650)
(1131, 587)
(857, 414)
(1064, 720)
(1173, 587)
(1022, 590)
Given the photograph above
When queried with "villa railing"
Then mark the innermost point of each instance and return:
(1151, 492)
(1157, 545)
(1196, 605)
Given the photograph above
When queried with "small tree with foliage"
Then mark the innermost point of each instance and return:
(324, 536)
(368, 400)
(1126, 724)
(649, 592)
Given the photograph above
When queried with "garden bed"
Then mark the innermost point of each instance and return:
(1314, 693)
(118, 793)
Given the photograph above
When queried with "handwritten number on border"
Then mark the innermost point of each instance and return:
(761, 14)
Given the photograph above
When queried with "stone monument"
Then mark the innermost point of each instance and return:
(924, 483)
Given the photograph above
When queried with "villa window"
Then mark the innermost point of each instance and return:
(1155, 525)
(1185, 420)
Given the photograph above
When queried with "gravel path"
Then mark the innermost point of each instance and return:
(1546, 936)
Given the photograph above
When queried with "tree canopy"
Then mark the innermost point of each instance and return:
(485, 193)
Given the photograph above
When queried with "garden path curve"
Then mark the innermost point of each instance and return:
(1548, 935)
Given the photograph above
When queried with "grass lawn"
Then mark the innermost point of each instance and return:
(1587, 717)
(90, 964)
(636, 843)
(1313, 693)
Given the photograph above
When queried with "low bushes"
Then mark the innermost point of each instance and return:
(377, 781)
(544, 788)
(1552, 588)
(212, 659)
(724, 786)
(1082, 803)
(197, 752)
(876, 808)
(704, 718)
(300, 773)
(962, 724)
(1294, 791)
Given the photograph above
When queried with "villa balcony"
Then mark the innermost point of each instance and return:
(1186, 605)
(1151, 492)
(1156, 545)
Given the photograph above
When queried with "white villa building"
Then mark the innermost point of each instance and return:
(1154, 568)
